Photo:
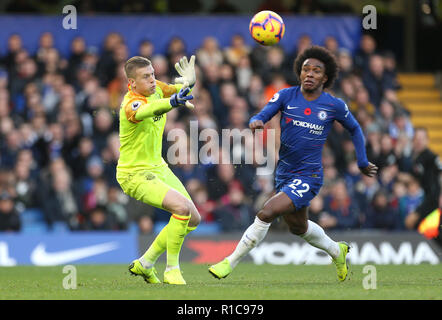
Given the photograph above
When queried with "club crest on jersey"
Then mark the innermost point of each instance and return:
(322, 115)
(136, 105)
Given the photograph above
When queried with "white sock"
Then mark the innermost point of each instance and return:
(168, 268)
(144, 263)
(250, 239)
(316, 236)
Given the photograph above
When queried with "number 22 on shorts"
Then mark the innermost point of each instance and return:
(299, 188)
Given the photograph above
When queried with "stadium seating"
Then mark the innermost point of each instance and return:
(421, 97)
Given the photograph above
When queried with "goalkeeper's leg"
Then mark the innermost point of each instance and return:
(182, 210)
(159, 245)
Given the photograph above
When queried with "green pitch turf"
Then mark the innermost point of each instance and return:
(248, 281)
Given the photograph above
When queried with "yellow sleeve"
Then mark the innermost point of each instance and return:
(153, 109)
(131, 108)
(168, 89)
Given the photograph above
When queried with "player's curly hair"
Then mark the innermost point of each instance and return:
(323, 55)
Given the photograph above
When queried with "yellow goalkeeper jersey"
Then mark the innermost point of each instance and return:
(141, 140)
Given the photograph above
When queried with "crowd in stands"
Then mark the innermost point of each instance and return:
(59, 143)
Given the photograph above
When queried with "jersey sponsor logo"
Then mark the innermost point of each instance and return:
(322, 115)
(275, 97)
(136, 105)
(308, 125)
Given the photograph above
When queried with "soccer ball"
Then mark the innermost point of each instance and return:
(267, 28)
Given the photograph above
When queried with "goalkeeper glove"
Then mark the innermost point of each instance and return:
(181, 98)
(186, 69)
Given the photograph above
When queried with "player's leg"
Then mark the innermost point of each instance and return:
(147, 187)
(276, 206)
(312, 233)
(159, 245)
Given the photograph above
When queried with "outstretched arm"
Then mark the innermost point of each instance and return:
(161, 106)
(267, 113)
(357, 136)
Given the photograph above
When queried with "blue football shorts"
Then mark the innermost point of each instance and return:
(300, 189)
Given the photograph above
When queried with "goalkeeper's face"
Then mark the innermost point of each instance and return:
(144, 82)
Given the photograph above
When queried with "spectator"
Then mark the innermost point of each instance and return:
(365, 190)
(386, 156)
(98, 219)
(145, 224)
(209, 53)
(203, 204)
(146, 49)
(316, 210)
(380, 215)
(243, 74)
(346, 67)
(236, 50)
(362, 101)
(25, 186)
(106, 64)
(176, 49)
(15, 44)
(342, 208)
(399, 201)
(331, 43)
(391, 68)
(116, 208)
(401, 125)
(376, 80)
(235, 214)
(385, 115)
(427, 170)
(218, 179)
(414, 196)
(9, 217)
(367, 47)
(60, 202)
(78, 51)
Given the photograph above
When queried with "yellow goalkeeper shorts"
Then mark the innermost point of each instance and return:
(150, 186)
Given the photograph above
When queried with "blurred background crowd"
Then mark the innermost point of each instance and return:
(59, 142)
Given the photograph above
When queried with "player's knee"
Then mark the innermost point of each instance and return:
(182, 208)
(195, 218)
(266, 215)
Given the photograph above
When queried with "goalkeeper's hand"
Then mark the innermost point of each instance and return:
(182, 98)
(186, 69)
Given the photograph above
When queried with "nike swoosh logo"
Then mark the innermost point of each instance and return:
(40, 257)
(288, 107)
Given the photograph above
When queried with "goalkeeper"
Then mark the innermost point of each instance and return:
(142, 172)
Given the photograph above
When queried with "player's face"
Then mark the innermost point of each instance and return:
(313, 75)
(144, 82)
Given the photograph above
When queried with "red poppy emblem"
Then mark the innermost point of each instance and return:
(307, 111)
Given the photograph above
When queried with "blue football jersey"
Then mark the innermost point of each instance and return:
(304, 129)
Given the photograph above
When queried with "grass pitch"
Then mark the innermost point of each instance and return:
(247, 282)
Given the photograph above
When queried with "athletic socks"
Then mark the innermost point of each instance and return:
(250, 239)
(316, 236)
(158, 247)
